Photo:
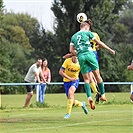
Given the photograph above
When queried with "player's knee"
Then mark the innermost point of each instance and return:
(131, 97)
(30, 94)
(99, 78)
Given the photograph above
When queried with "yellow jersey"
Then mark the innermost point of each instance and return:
(71, 69)
(93, 43)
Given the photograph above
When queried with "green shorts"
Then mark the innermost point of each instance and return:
(87, 61)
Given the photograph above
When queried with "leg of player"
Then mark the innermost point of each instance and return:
(88, 89)
(93, 85)
(100, 84)
(81, 104)
(131, 96)
(72, 102)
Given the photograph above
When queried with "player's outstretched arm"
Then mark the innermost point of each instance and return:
(73, 52)
(104, 45)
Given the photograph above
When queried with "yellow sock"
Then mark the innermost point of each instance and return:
(93, 87)
(69, 106)
(78, 103)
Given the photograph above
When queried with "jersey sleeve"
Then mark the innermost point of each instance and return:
(71, 42)
(64, 65)
(97, 36)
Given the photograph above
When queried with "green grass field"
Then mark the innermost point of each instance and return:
(114, 116)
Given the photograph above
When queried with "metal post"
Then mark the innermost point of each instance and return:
(0, 98)
(131, 88)
(37, 93)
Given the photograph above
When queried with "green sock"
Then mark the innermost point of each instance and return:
(101, 87)
(87, 89)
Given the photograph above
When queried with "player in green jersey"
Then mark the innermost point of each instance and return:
(80, 46)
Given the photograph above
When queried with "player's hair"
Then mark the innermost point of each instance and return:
(83, 24)
(88, 21)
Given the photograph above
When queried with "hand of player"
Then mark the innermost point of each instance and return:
(73, 79)
(112, 51)
(97, 47)
(67, 56)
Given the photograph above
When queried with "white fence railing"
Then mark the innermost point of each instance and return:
(61, 83)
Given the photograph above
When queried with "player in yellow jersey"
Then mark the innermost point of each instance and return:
(70, 72)
(93, 82)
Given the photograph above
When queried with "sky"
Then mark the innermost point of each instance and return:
(39, 9)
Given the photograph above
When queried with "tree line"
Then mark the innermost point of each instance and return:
(23, 39)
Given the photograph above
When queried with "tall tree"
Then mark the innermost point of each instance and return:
(15, 52)
(104, 15)
(1, 9)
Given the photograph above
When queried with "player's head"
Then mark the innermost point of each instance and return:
(88, 21)
(84, 26)
(74, 59)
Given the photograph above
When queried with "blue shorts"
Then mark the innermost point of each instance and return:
(96, 54)
(67, 85)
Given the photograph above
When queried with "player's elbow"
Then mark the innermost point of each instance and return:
(60, 72)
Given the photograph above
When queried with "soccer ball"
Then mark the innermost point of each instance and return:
(81, 17)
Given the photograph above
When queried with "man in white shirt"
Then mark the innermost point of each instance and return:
(33, 75)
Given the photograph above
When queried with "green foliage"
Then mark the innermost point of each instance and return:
(1, 10)
(23, 39)
(104, 15)
(15, 51)
(108, 21)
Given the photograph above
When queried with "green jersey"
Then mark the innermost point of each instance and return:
(86, 57)
(81, 41)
